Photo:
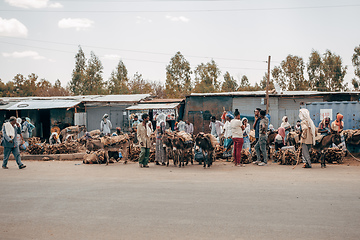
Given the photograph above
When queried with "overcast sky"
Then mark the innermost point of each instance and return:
(42, 37)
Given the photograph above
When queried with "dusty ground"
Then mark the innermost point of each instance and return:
(69, 200)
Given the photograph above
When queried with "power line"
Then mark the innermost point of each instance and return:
(181, 11)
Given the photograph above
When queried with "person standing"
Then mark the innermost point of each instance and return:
(307, 139)
(228, 142)
(246, 133)
(261, 143)
(338, 126)
(181, 126)
(189, 128)
(215, 127)
(237, 136)
(31, 126)
(159, 147)
(10, 131)
(135, 123)
(257, 123)
(105, 125)
(143, 136)
(286, 125)
(25, 129)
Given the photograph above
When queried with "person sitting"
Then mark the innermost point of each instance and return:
(280, 139)
(286, 125)
(338, 124)
(324, 127)
(54, 138)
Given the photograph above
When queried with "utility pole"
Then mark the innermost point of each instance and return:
(267, 86)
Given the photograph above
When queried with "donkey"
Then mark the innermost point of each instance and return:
(204, 142)
(325, 143)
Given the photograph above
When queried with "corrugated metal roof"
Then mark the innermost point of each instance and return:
(116, 98)
(153, 106)
(262, 93)
(40, 104)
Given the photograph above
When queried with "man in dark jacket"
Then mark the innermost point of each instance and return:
(10, 131)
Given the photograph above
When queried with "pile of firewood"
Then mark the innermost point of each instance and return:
(254, 157)
(35, 149)
(114, 140)
(245, 157)
(315, 155)
(34, 140)
(134, 153)
(95, 157)
(277, 156)
(288, 157)
(352, 136)
(219, 151)
(334, 155)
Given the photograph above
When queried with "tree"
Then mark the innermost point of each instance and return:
(178, 79)
(244, 82)
(118, 80)
(263, 82)
(290, 74)
(356, 63)
(77, 83)
(206, 77)
(138, 85)
(229, 84)
(326, 73)
(157, 89)
(94, 83)
(43, 88)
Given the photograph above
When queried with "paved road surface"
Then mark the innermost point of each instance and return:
(63, 200)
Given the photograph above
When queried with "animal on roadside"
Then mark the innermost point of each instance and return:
(167, 139)
(182, 146)
(72, 131)
(293, 140)
(207, 144)
(325, 143)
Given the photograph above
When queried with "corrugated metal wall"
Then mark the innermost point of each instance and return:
(290, 107)
(94, 115)
(350, 110)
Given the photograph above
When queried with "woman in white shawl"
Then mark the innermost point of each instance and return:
(308, 134)
(286, 125)
(159, 147)
(246, 133)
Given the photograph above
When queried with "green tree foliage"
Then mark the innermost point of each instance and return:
(25, 86)
(206, 77)
(158, 90)
(356, 63)
(290, 75)
(138, 85)
(178, 77)
(326, 73)
(77, 83)
(229, 84)
(118, 81)
(263, 83)
(94, 83)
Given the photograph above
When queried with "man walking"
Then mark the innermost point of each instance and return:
(261, 143)
(10, 131)
(143, 136)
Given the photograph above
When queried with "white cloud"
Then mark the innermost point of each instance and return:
(26, 54)
(177, 19)
(142, 19)
(12, 28)
(33, 3)
(78, 23)
(111, 57)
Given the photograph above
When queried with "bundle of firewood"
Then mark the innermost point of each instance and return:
(34, 140)
(95, 157)
(315, 155)
(219, 151)
(35, 149)
(66, 147)
(277, 156)
(134, 153)
(334, 155)
(352, 136)
(254, 157)
(114, 140)
(152, 156)
(288, 157)
(245, 157)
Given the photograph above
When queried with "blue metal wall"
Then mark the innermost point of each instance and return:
(350, 110)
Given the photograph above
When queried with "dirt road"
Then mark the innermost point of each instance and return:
(68, 200)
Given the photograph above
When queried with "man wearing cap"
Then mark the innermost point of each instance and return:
(10, 131)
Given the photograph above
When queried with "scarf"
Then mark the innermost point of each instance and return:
(339, 121)
(281, 132)
(10, 130)
(304, 115)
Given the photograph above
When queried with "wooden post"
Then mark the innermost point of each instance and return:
(267, 87)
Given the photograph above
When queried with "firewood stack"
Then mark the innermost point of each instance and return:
(254, 157)
(35, 149)
(34, 140)
(288, 157)
(219, 151)
(134, 153)
(95, 157)
(277, 156)
(245, 157)
(334, 155)
(114, 140)
(315, 155)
